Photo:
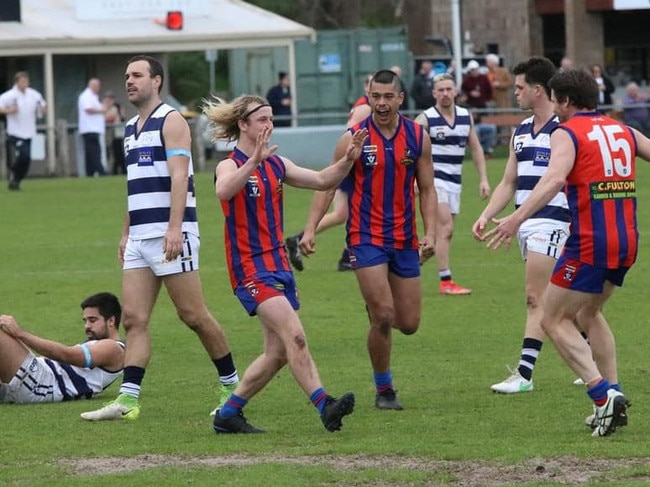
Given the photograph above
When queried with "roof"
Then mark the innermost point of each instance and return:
(92, 27)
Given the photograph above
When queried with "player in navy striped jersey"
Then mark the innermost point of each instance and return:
(451, 130)
(62, 372)
(160, 237)
(542, 236)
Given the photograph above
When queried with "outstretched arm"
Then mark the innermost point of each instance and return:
(103, 353)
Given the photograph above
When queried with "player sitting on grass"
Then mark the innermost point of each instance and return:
(62, 372)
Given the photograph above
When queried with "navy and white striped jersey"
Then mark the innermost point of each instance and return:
(448, 144)
(533, 152)
(81, 382)
(149, 183)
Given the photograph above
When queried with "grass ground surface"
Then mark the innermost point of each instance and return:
(60, 242)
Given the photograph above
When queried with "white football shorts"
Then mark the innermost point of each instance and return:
(34, 382)
(546, 238)
(449, 198)
(149, 253)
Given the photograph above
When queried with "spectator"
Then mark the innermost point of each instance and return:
(20, 104)
(605, 86)
(500, 80)
(422, 87)
(635, 110)
(115, 118)
(476, 93)
(566, 63)
(279, 97)
(92, 126)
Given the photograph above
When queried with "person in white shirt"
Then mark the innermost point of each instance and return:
(92, 126)
(21, 105)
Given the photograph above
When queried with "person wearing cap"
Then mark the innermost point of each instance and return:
(476, 93)
(279, 97)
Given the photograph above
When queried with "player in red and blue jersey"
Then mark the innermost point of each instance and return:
(249, 184)
(593, 157)
(382, 237)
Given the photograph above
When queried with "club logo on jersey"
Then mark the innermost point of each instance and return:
(253, 187)
(407, 160)
(252, 289)
(612, 190)
(440, 134)
(518, 143)
(569, 272)
(145, 157)
(369, 155)
(541, 157)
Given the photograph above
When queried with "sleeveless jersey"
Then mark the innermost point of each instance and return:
(601, 189)
(82, 382)
(448, 147)
(382, 201)
(149, 184)
(253, 225)
(533, 152)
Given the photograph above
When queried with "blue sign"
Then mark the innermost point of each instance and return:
(329, 63)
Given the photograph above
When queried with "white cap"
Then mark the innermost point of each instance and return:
(473, 64)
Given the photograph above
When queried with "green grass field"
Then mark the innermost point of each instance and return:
(60, 244)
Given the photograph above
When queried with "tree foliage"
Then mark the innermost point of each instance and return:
(337, 14)
(189, 72)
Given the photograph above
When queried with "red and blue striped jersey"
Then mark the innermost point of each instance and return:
(382, 200)
(601, 191)
(253, 225)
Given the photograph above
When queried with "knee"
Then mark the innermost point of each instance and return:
(133, 321)
(383, 319)
(408, 326)
(193, 319)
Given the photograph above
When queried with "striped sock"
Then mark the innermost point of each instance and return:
(444, 275)
(383, 381)
(317, 398)
(529, 353)
(233, 406)
(598, 393)
(132, 380)
(226, 369)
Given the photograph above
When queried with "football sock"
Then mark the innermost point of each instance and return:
(226, 368)
(383, 381)
(529, 352)
(445, 275)
(598, 393)
(317, 398)
(132, 380)
(233, 405)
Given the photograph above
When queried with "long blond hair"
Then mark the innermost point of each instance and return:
(224, 117)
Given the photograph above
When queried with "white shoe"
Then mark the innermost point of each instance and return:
(513, 384)
(113, 410)
(591, 420)
(578, 382)
(612, 414)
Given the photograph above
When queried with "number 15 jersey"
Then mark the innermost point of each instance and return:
(601, 191)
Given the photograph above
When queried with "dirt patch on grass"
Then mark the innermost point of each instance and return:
(566, 470)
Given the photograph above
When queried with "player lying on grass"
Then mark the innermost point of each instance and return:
(62, 372)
